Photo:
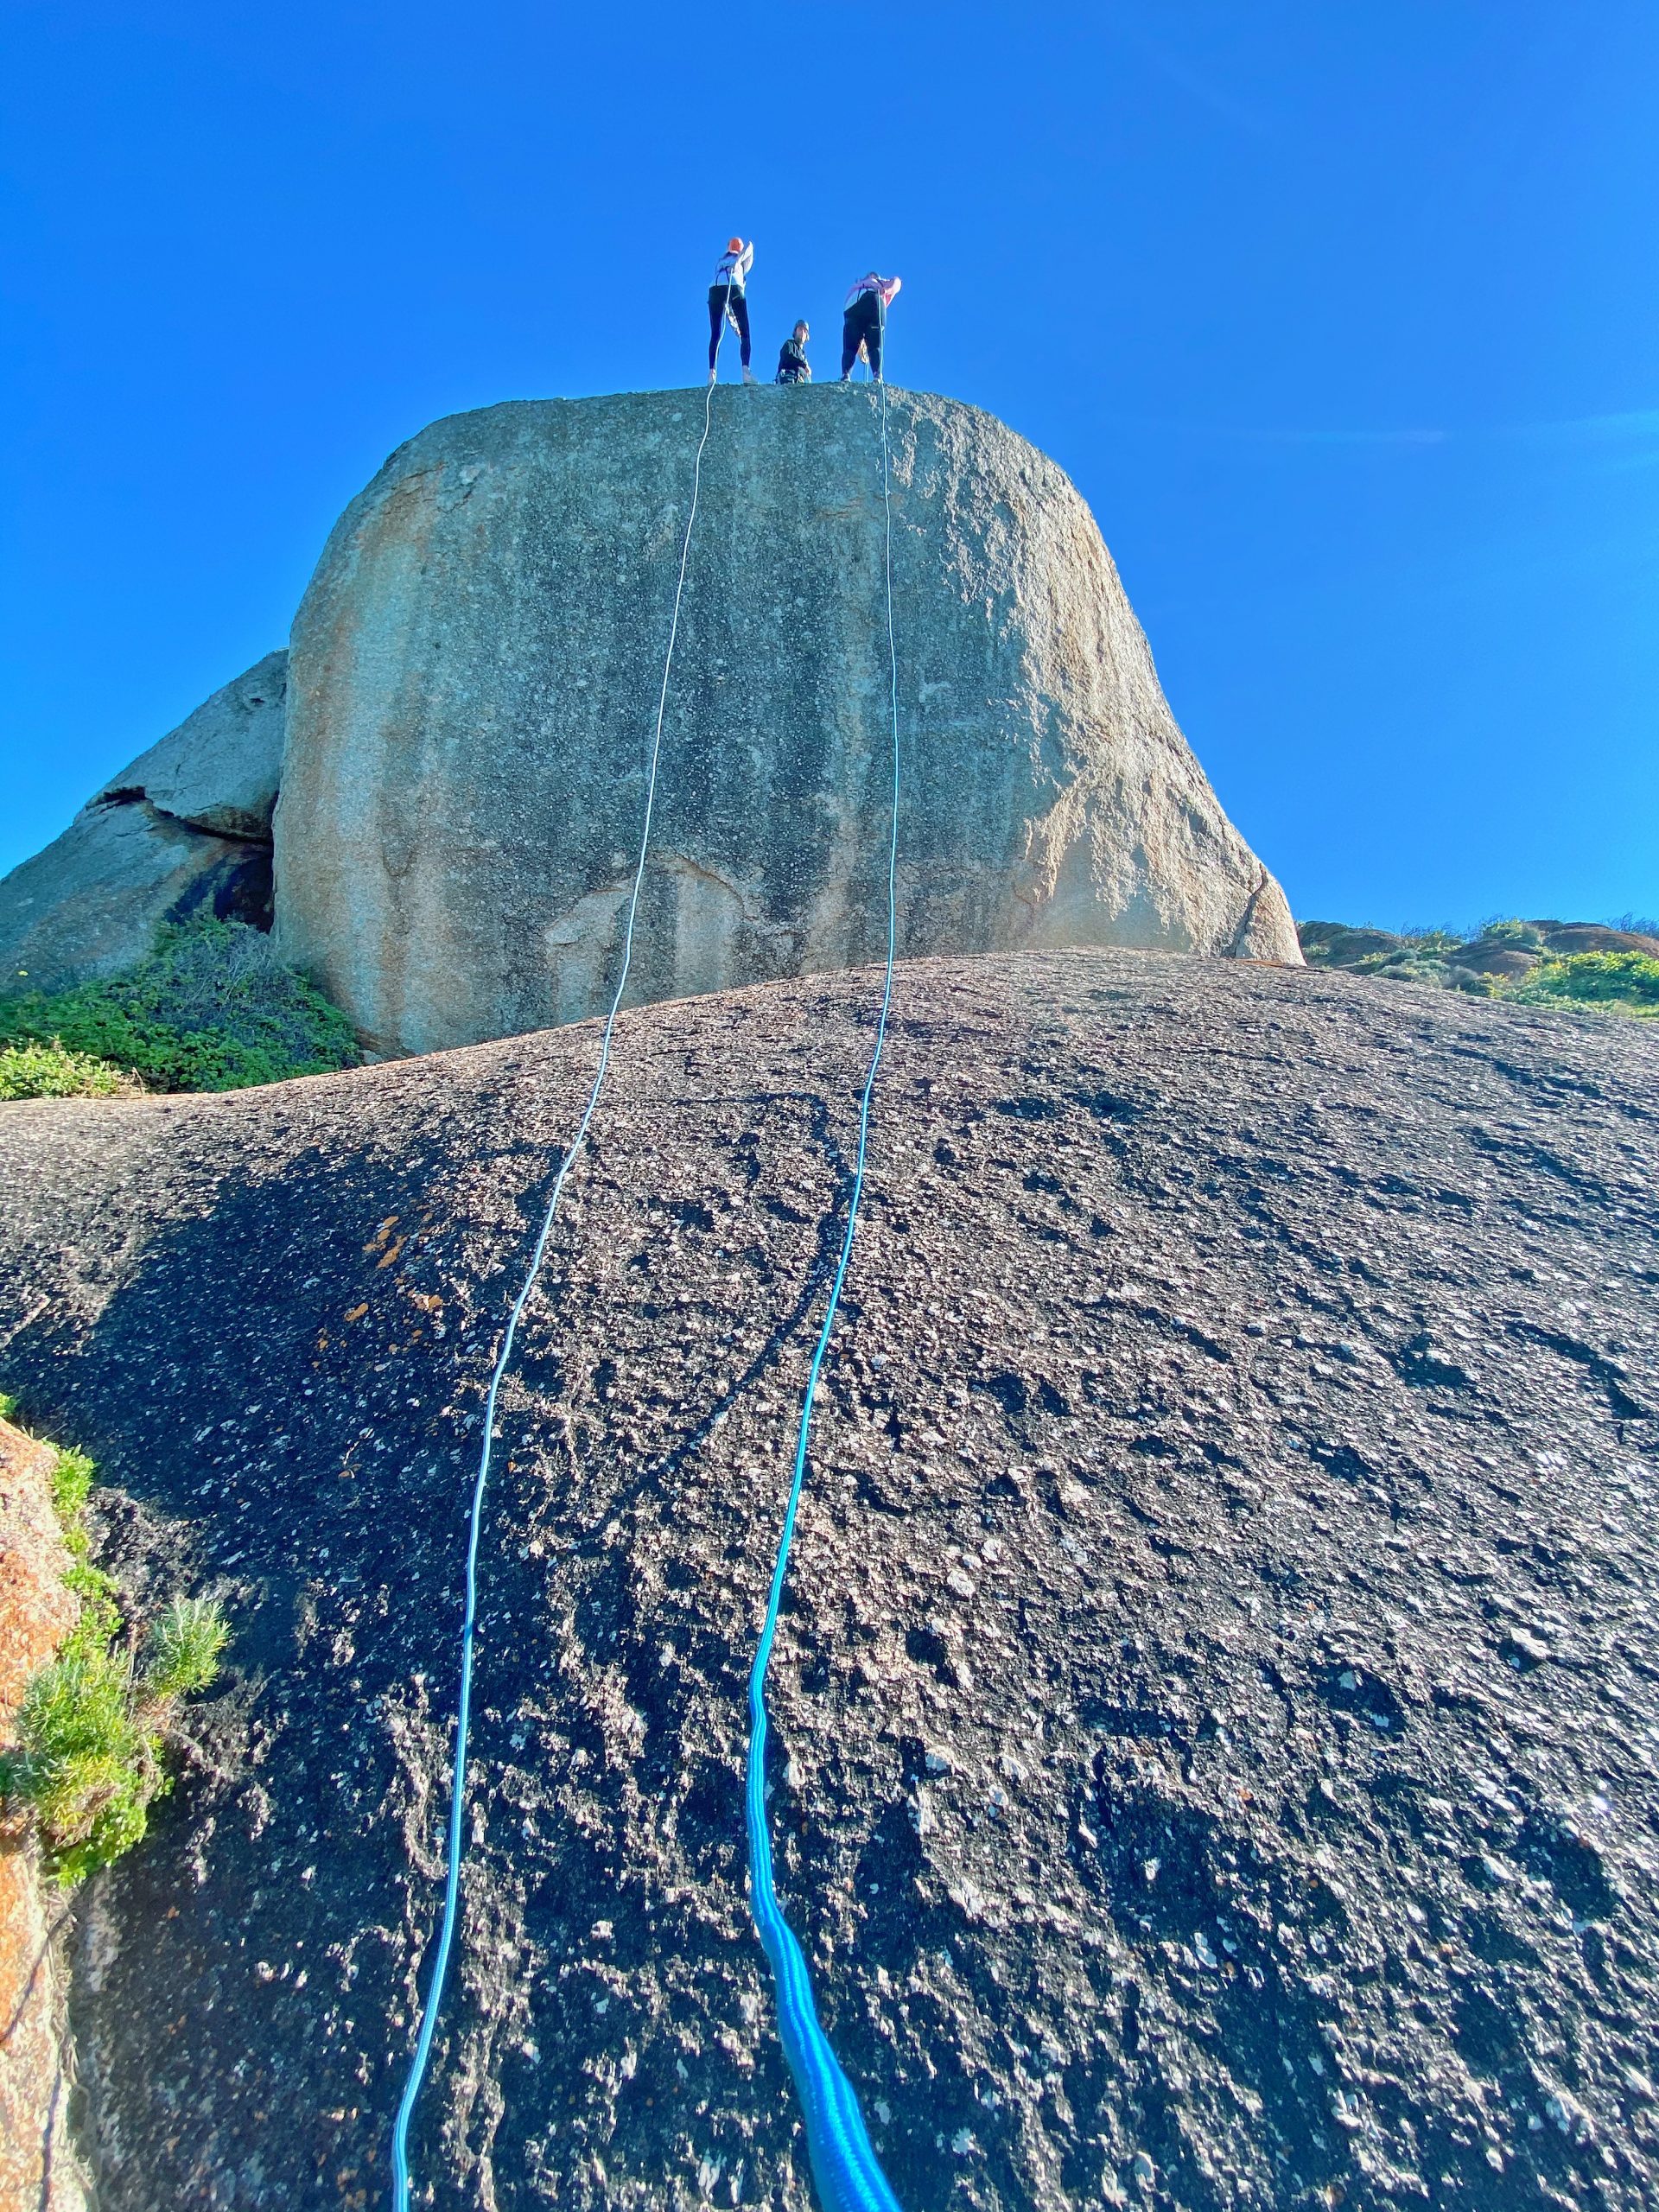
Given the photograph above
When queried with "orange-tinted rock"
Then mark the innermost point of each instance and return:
(36, 1612)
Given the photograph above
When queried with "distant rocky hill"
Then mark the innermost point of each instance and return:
(1218, 1696)
(438, 791)
(1501, 952)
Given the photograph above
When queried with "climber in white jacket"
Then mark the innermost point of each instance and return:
(725, 296)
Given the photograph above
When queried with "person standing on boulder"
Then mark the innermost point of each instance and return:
(727, 297)
(863, 316)
(793, 367)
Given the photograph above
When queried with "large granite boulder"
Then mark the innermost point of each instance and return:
(218, 769)
(474, 690)
(182, 830)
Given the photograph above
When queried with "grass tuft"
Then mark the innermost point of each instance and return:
(184, 1648)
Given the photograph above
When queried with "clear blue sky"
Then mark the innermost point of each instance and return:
(1344, 317)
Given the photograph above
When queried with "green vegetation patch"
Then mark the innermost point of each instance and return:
(184, 1648)
(71, 1484)
(211, 1008)
(86, 1767)
(49, 1070)
(1624, 983)
(93, 1725)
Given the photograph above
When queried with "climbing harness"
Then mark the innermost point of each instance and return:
(844, 2163)
(452, 1882)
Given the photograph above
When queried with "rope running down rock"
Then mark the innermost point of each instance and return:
(844, 2164)
(452, 1884)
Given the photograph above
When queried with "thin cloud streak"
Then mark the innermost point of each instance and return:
(1182, 74)
(1629, 440)
(1639, 423)
(1272, 435)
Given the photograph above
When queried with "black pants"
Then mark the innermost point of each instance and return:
(718, 296)
(861, 324)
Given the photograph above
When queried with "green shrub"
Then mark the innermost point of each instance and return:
(1526, 937)
(1624, 982)
(48, 1069)
(184, 1648)
(85, 1767)
(211, 1008)
(1407, 967)
(90, 1736)
(90, 1584)
(70, 1483)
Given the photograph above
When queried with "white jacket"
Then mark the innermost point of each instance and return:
(732, 268)
(887, 287)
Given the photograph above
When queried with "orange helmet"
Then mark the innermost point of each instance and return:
(734, 245)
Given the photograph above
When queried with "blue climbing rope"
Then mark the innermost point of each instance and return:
(844, 2164)
(400, 2178)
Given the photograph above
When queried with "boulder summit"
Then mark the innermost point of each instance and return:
(473, 684)
(458, 741)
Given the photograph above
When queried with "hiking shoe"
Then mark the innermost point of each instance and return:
(749, 376)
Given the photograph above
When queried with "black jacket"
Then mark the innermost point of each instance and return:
(793, 367)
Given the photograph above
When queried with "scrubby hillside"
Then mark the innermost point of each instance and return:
(1615, 966)
(1217, 1706)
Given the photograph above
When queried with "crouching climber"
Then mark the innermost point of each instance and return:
(726, 298)
(863, 317)
(793, 367)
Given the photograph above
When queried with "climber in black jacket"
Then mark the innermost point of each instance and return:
(793, 367)
(863, 318)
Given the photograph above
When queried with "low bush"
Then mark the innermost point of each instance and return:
(1624, 983)
(93, 1728)
(1500, 929)
(211, 1008)
(36, 1069)
(86, 1768)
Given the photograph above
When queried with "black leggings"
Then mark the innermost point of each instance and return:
(861, 324)
(718, 296)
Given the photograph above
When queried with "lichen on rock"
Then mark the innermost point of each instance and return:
(37, 1610)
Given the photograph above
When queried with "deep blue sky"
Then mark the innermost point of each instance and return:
(1344, 317)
